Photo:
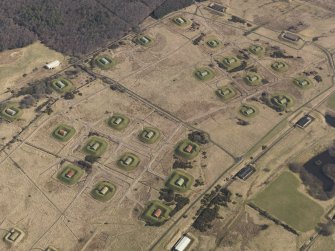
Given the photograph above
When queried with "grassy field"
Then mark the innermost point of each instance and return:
(17, 62)
(324, 244)
(282, 200)
(331, 102)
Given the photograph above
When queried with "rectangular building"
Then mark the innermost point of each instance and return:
(182, 244)
(52, 65)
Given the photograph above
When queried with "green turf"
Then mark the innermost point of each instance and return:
(248, 111)
(70, 132)
(204, 70)
(257, 50)
(302, 83)
(253, 79)
(331, 102)
(68, 85)
(180, 149)
(92, 140)
(135, 161)
(282, 200)
(152, 206)
(75, 178)
(6, 116)
(103, 197)
(225, 93)
(112, 121)
(147, 130)
(98, 61)
(175, 176)
(230, 63)
(279, 66)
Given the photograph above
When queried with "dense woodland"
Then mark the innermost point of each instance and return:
(75, 27)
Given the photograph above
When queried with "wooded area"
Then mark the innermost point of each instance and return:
(75, 27)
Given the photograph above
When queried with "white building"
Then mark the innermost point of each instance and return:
(180, 20)
(10, 112)
(230, 61)
(149, 134)
(144, 40)
(117, 121)
(203, 73)
(128, 161)
(182, 244)
(104, 61)
(94, 146)
(252, 78)
(225, 92)
(104, 190)
(52, 65)
(180, 181)
(60, 84)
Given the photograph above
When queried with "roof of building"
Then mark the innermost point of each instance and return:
(225, 91)
(149, 134)
(180, 20)
(180, 181)
(182, 244)
(70, 173)
(217, 7)
(62, 132)
(157, 213)
(188, 148)
(117, 120)
(246, 172)
(94, 145)
(291, 36)
(304, 121)
(10, 111)
(104, 190)
(53, 64)
(128, 160)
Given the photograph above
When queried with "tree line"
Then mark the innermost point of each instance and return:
(75, 27)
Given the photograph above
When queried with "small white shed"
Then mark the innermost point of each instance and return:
(52, 65)
(182, 244)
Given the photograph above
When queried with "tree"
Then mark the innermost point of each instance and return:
(326, 229)
(91, 159)
(205, 218)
